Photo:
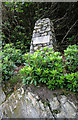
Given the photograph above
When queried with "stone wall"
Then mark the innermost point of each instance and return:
(43, 35)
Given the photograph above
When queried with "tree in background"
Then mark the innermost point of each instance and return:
(18, 20)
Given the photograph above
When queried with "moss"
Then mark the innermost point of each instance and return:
(55, 95)
(56, 111)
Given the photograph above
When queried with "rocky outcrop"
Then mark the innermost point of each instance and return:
(25, 104)
(2, 95)
(43, 35)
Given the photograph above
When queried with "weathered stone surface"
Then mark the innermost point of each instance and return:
(26, 104)
(67, 108)
(41, 40)
(2, 95)
(42, 30)
(54, 103)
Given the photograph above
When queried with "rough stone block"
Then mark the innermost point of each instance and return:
(44, 39)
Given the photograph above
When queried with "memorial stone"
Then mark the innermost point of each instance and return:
(43, 35)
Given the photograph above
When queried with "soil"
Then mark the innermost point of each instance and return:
(45, 93)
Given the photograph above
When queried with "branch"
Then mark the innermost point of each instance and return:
(69, 31)
(60, 18)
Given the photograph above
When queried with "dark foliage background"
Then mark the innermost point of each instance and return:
(19, 18)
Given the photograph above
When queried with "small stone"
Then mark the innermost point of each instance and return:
(51, 42)
(44, 34)
(63, 99)
(35, 48)
(22, 91)
(50, 46)
(41, 32)
(34, 35)
(50, 33)
(54, 103)
(50, 37)
(34, 31)
(45, 25)
(31, 48)
(36, 27)
(43, 28)
(48, 29)
(39, 45)
(37, 97)
(44, 45)
(37, 35)
(38, 30)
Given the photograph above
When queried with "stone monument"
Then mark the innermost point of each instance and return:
(43, 35)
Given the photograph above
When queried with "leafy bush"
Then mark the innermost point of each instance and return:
(43, 67)
(72, 81)
(47, 67)
(71, 55)
(11, 59)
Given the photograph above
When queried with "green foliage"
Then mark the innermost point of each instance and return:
(43, 67)
(71, 39)
(25, 14)
(11, 59)
(18, 37)
(72, 81)
(14, 30)
(71, 55)
(15, 78)
(47, 67)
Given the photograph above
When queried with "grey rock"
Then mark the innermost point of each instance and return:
(23, 104)
(43, 28)
(63, 99)
(45, 25)
(35, 48)
(2, 95)
(50, 33)
(69, 109)
(48, 28)
(34, 35)
(31, 47)
(41, 32)
(54, 103)
(50, 46)
(36, 27)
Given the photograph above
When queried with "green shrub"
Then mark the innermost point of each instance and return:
(72, 81)
(11, 58)
(47, 67)
(43, 67)
(71, 55)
